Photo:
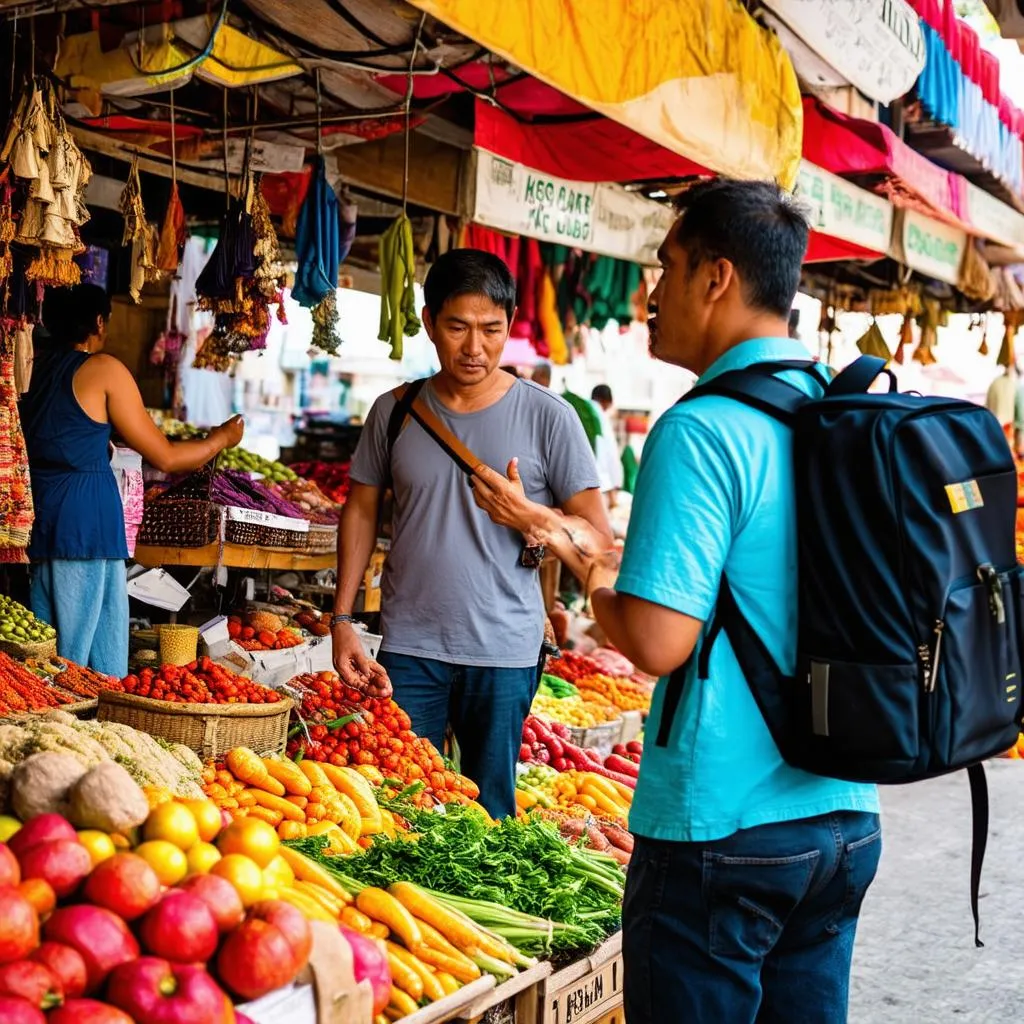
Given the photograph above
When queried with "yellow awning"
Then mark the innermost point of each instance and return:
(701, 78)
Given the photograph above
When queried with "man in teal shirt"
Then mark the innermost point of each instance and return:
(748, 875)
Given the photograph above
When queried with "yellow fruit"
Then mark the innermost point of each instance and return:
(99, 844)
(252, 838)
(167, 860)
(201, 858)
(173, 823)
(244, 874)
(8, 826)
(207, 815)
(278, 874)
(157, 795)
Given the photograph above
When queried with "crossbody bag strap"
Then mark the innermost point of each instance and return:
(456, 450)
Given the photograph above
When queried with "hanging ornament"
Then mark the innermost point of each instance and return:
(172, 234)
(906, 339)
(872, 343)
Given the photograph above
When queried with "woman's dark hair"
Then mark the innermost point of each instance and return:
(757, 227)
(69, 315)
(469, 272)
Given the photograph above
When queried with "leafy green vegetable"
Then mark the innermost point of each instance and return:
(522, 865)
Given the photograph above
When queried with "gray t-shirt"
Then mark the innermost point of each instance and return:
(453, 589)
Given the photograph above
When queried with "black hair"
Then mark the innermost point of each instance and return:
(602, 393)
(755, 225)
(469, 272)
(69, 315)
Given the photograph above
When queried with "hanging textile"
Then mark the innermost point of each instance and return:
(318, 249)
(16, 509)
(139, 234)
(397, 260)
(172, 234)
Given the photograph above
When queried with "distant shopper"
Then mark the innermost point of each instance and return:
(747, 877)
(542, 375)
(78, 549)
(794, 323)
(463, 616)
(606, 447)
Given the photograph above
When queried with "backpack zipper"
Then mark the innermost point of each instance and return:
(934, 655)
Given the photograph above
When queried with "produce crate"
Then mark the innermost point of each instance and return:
(585, 992)
(632, 725)
(22, 649)
(601, 737)
(209, 729)
(450, 1008)
(519, 996)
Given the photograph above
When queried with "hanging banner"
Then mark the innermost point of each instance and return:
(600, 218)
(928, 246)
(704, 80)
(844, 211)
(993, 218)
(876, 45)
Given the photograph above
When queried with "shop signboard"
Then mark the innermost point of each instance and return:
(876, 45)
(843, 210)
(993, 218)
(598, 217)
(929, 246)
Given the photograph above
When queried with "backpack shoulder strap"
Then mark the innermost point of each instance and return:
(758, 387)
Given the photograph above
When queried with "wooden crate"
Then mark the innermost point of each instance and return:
(585, 992)
(522, 991)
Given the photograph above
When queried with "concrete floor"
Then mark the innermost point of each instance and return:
(915, 961)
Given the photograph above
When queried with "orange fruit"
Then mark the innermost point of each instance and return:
(166, 859)
(157, 795)
(207, 815)
(278, 874)
(201, 858)
(252, 838)
(244, 874)
(39, 893)
(100, 846)
(173, 823)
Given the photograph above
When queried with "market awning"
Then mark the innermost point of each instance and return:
(704, 81)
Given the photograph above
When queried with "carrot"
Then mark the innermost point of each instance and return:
(403, 975)
(300, 801)
(307, 870)
(378, 930)
(463, 969)
(454, 929)
(289, 775)
(401, 1004)
(448, 983)
(314, 772)
(384, 907)
(278, 803)
(356, 920)
(266, 814)
(431, 986)
(327, 900)
(245, 764)
(309, 907)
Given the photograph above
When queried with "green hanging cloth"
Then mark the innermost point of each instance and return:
(630, 469)
(588, 417)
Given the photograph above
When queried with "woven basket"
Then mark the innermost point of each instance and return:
(211, 730)
(184, 516)
(257, 535)
(322, 537)
(20, 649)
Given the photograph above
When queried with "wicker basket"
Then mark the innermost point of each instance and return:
(184, 516)
(211, 730)
(322, 537)
(179, 645)
(21, 649)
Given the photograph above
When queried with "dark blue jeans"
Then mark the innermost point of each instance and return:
(758, 927)
(486, 708)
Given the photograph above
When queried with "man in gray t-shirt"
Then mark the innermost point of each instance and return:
(462, 618)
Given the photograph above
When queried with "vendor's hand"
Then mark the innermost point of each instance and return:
(229, 433)
(504, 499)
(604, 571)
(355, 668)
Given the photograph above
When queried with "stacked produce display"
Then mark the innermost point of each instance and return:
(203, 884)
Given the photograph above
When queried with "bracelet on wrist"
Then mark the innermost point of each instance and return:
(336, 620)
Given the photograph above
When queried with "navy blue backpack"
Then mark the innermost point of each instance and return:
(909, 647)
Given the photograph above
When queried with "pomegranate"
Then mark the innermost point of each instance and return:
(255, 959)
(102, 939)
(10, 872)
(14, 1010)
(31, 981)
(86, 1011)
(61, 862)
(19, 926)
(40, 829)
(370, 964)
(158, 992)
(180, 927)
(124, 884)
(220, 896)
(291, 922)
(66, 964)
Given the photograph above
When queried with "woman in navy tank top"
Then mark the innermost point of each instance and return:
(76, 399)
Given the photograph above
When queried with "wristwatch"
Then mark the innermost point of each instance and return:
(532, 556)
(338, 619)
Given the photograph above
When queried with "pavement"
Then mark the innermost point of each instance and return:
(915, 961)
